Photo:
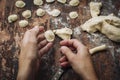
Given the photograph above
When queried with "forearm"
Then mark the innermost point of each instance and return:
(26, 71)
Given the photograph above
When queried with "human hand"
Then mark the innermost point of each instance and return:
(33, 46)
(77, 55)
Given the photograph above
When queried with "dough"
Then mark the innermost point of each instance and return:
(12, 18)
(40, 12)
(55, 12)
(26, 14)
(23, 23)
(95, 8)
(108, 25)
(74, 2)
(62, 1)
(38, 2)
(49, 35)
(73, 15)
(64, 33)
(20, 4)
(96, 49)
(50, 1)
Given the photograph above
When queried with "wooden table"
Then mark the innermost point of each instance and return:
(107, 63)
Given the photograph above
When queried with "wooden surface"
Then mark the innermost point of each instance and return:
(107, 63)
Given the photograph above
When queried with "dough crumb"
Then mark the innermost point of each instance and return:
(97, 49)
(74, 2)
(62, 1)
(49, 35)
(20, 4)
(73, 15)
(12, 18)
(40, 12)
(64, 33)
(38, 2)
(23, 23)
(26, 14)
(55, 12)
(95, 8)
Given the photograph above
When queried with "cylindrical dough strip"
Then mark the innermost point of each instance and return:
(96, 49)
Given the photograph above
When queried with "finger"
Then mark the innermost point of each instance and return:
(35, 30)
(42, 44)
(73, 42)
(40, 37)
(65, 64)
(68, 53)
(63, 59)
(44, 49)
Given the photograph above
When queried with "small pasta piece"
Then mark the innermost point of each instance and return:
(74, 2)
(12, 18)
(49, 35)
(73, 15)
(55, 12)
(23, 23)
(38, 2)
(20, 4)
(40, 12)
(62, 1)
(50, 1)
(26, 14)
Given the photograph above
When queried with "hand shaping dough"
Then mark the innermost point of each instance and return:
(64, 33)
(108, 25)
(40, 12)
(38, 2)
(62, 1)
(99, 48)
(73, 15)
(23, 23)
(95, 8)
(12, 18)
(55, 12)
(49, 35)
(50, 1)
(20, 4)
(26, 14)
(74, 2)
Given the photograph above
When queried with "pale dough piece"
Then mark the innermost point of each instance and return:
(95, 8)
(108, 25)
(40, 12)
(62, 1)
(74, 2)
(55, 12)
(20, 4)
(50, 1)
(38, 2)
(64, 33)
(73, 15)
(23, 23)
(26, 14)
(96, 49)
(49, 35)
(12, 18)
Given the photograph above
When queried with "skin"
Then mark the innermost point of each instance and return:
(34, 46)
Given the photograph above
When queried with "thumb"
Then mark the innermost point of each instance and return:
(68, 53)
(37, 29)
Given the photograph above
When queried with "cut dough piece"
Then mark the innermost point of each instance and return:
(95, 8)
(12, 18)
(64, 33)
(62, 1)
(96, 49)
(26, 14)
(49, 35)
(73, 15)
(55, 12)
(74, 2)
(50, 1)
(108, 25)
(40, 12)
(20, 4)
(23, 23)
(38, 2)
